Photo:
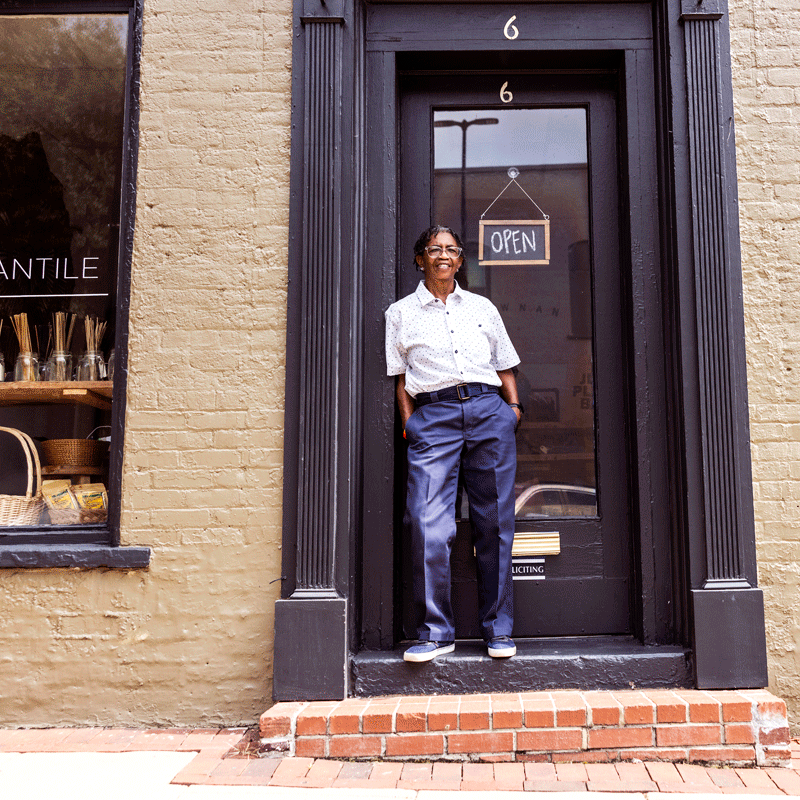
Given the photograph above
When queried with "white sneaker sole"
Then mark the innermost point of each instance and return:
(503, 652)
(419, 657)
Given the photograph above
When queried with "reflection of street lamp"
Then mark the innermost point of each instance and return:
(464, 124)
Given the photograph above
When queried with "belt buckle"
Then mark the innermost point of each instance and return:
(461, 397)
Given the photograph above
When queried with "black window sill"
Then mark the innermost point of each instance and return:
(75, 556)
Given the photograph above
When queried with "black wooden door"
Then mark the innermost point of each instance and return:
(513, 151)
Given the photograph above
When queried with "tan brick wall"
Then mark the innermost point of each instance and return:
(190, 640)
(766, 76)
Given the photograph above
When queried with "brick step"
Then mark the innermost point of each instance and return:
(740, 728)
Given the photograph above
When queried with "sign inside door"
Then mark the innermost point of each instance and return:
(517, 242)
(528, 569)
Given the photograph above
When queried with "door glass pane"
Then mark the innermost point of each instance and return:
(546, 308)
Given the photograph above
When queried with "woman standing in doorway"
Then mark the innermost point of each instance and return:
(457, 397)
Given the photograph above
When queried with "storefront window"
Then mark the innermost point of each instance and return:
(62, 113)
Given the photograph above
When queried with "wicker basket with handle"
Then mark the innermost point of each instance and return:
(23, 510)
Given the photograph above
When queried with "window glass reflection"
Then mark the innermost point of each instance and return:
(62, 107)
(546, 308)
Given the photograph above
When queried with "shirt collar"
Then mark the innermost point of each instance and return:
(425, 297)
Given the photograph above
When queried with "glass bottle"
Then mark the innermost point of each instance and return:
(27, 367)
(111, 365)
(92, 367)
(59, 366)
(2, 368)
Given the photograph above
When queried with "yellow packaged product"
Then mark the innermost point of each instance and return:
(91, 496)
(57, 494)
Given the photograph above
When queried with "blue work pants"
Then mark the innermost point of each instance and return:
(478, 436)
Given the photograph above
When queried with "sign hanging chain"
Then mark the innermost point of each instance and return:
(513, 172)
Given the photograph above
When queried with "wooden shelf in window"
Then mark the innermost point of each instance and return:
(48, 472)
(86, 393)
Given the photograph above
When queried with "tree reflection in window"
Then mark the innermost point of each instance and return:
(61, 119)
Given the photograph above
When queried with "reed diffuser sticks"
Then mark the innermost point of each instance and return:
(92, 366)
(95, 330)
(59, 367)
(23, 331)
(62, 321)
(27, 367)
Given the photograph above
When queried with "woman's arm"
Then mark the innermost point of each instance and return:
(404, 400)
(508, 390)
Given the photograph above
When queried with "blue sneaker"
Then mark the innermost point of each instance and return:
(426, 651)
(501, 647)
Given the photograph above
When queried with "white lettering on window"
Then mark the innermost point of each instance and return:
(69, 277)
(90, 267)
(21, 269)
(44, 265)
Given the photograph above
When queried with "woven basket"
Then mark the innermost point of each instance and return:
(73, 452)
(69, 516)
(16, 510)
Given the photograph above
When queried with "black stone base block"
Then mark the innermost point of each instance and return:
(730, 640)
(310, 661)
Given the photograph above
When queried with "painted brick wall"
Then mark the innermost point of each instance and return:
(190, 640)
(766, 67)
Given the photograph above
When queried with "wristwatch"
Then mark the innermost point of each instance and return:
(519, 406)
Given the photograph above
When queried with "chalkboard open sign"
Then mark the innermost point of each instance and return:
(517, 241)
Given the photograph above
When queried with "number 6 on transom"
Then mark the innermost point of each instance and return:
(505, 95)
(510, 31)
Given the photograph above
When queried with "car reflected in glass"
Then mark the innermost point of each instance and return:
(545, 500)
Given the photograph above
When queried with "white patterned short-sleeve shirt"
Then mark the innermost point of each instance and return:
(440, 344)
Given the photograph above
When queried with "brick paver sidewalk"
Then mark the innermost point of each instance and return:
(228, 757)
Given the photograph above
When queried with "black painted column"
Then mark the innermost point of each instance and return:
(311, 623)
(728, 609)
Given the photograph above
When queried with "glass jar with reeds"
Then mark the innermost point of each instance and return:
(59, 365)
(27, 365)
(92, 367)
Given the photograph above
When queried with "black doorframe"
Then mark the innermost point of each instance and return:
(343, 98)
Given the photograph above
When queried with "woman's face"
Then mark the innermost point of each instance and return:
(441, 267)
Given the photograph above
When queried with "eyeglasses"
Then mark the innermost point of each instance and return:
(434, 251)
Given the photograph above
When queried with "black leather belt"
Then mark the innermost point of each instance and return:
(463, 391)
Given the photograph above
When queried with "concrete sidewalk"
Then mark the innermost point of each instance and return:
(222, 765)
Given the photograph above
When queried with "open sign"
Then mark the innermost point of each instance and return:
(519, 241)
